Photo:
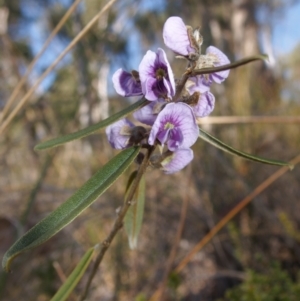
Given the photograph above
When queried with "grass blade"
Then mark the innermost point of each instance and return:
(66, 289)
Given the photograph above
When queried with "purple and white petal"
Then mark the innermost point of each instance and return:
(148, 113)
(148, 89)
(118, 133)
(125, 84)
(205, 105)
(156, 76)
(162, 57)
(175, 126)
(220, 59)
(197, 84)
(176, 37)
(177, 161)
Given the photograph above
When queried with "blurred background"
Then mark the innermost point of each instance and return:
(256, 254)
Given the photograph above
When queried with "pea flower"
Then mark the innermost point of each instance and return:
(118, 133)
(175, 35)
(187, 42)
(205, 102)
(213, 58)
(177, 160)
(175, 126)
(171, 121)
(127, 84)
(156, 76)
(148, 113)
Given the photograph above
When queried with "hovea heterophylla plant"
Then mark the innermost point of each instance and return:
(160, 135)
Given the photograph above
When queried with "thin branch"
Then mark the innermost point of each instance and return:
(118, 222)
(54, 64)
(17, 89)
(223, 222)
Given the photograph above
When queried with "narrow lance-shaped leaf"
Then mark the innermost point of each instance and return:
(91, 129)
(71, 208)
(66, 289)
(226, 148)
(247, 60)
(134, 216)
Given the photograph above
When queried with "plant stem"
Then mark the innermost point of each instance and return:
(228, 66)
(118, 222)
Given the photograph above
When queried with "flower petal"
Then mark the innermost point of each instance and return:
(197, 84)
(148, 89)
(176, 116)
(125, 84)
(175, 139)
(156, 75)
(170, 77)
(116, 133)
(205, 105)
(177, 161)
(148, 113)
(221, 59)
(176, 37)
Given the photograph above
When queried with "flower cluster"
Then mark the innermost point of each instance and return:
(170, 116)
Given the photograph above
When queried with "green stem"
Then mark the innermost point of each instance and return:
(229, 66)
(118, 223)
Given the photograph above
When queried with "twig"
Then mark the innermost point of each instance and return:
(259, 189)
(208, 237)
(54, 64)
(118, 222)
(59, 271)
(29, 69)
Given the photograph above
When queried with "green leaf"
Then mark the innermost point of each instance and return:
(259, 57)
(91, 129)
(134, 216)
(226, 148)
(71, 208)
(66, 289)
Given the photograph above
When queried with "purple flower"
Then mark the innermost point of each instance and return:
(176, 36)
(206, 101)
(156, 76)
(197, 84)
(213, 58)
(148, 113)
(127, 84)
(205, 105)
(175, 126)
(118, 133)
(177, 160)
